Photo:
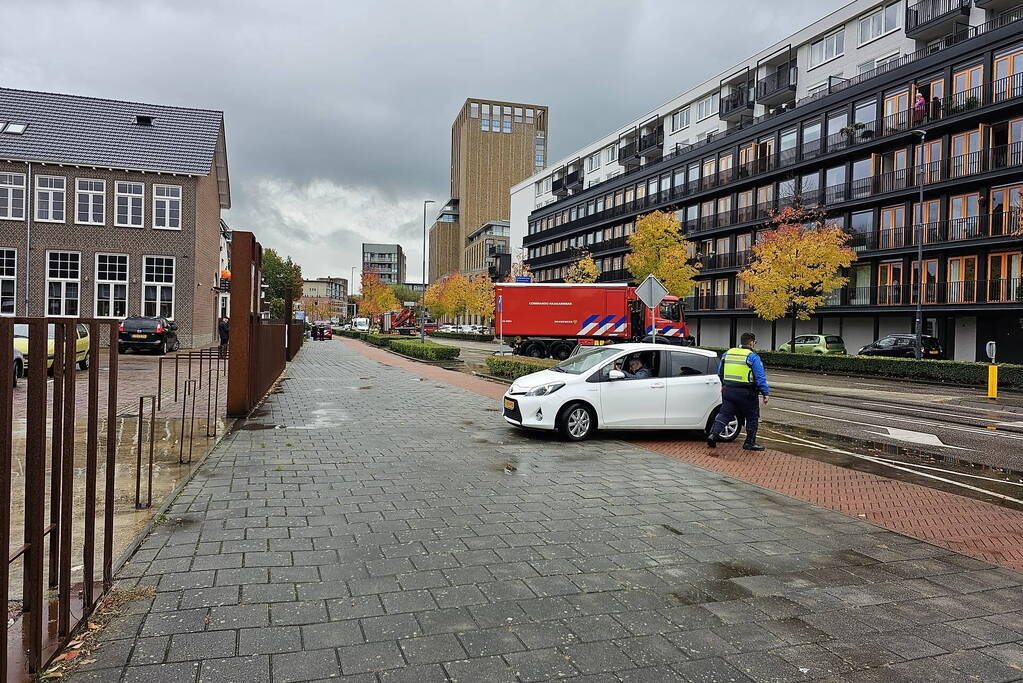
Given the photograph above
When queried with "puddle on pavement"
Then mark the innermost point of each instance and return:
(710, 591)
(254, 427)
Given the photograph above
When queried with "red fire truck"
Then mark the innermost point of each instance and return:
(549, 320)
(402, 321)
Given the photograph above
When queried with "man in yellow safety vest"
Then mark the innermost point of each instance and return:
(743, 380)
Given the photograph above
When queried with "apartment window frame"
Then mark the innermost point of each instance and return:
(120, 267)
(12, 193)
(882, 13)
(680, 119)
(165, 203)
(60, 274)
(96, 202)
(823, 42)
(149, 280)
(611, 153)
(8, 281)
(47, 196)
(593, 162)
(707, 106)
(133, 202)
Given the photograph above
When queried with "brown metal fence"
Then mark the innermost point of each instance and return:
(52, 605)
(296, 335)
(258, 348)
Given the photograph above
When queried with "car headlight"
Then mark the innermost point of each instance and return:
(545, 389)
(862, 349)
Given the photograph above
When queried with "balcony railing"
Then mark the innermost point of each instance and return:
(651, 144)
(932, 15)
(718, 261)
(1000, 291)
(988, 226)
(735, 103)
(779, 85)
(574, 180)
(621, 275)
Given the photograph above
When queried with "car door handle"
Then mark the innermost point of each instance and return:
(657, 386)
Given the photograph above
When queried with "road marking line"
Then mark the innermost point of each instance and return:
(915, 437)
(897, 467)
(958, 428)
(944, 412)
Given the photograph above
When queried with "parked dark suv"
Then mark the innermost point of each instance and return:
(148, 334)
(903, 346)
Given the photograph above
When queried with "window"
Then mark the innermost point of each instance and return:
(50, 199)
(8, 280)
(90, 197)
(12, 196)
(611, 153)
(485, 124)
(680, 120)
(689, 364)
(827, 48)
(111, 286)
(167, 207)
(128, 204)
(474, 110)
(15, 128)
(706, 107)
(63, 275)
(593, 162)
(876, 24)
(158, 286)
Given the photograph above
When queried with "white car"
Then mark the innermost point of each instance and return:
(623, 386)
(447, 328)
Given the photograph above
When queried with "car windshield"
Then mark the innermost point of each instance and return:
(577, 365)
(21, 331)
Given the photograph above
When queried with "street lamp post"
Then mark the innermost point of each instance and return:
(919, 233)
(351, 289)
(422, 300)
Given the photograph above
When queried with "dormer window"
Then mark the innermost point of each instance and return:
(143, 120)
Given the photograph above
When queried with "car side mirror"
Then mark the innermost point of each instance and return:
(174, 326)
(615, 374)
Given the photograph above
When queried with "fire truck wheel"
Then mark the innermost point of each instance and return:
(562, 351)
(535, 350)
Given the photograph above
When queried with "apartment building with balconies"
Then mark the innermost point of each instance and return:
(110, 209)
(855, 113)
(325, 298)
(486, 249)
(494, 145)
(384, 260)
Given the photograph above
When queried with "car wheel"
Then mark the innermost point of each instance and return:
(17, 373)
(122, 349)
(730, 431)
(84, 363)
(577, 422)
(177, 344)
(163, 348)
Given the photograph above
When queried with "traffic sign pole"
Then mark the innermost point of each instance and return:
(651, 292)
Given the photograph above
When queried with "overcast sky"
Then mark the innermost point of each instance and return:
(338, 113)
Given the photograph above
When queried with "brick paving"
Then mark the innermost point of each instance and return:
(376, 524)
(967, 525)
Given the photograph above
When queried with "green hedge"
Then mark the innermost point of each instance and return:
(951, 371)
(513, 367)
(351, 334)
(464, 336)
(377, 339)
(425, 350)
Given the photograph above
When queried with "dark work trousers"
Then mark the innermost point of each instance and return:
(742, 403)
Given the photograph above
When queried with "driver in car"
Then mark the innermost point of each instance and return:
(634, 369)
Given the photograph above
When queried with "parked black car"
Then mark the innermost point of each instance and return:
(148, 334)
(903, 346)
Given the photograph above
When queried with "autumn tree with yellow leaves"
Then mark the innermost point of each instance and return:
(376, 296)
(480, 297)
(796, 265)
(658, 247)
(583, 270)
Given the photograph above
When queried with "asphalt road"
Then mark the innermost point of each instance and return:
(905, 421)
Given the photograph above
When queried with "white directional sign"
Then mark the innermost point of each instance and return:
(651, 292)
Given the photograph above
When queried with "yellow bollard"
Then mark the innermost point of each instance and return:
(992, 381)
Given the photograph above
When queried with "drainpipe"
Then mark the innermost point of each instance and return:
(29, 208)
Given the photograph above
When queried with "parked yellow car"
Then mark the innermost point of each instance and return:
(81, 344)
(820, 344)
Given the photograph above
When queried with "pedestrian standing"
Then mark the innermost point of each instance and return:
(224, 330)
(743, 382)
(919, 108)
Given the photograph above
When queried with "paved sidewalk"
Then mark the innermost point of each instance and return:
(378, 525)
